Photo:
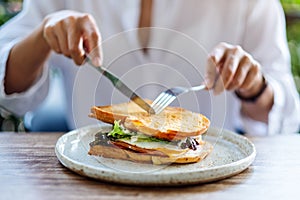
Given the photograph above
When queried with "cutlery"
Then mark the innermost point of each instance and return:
(167, 97)
(122, 87)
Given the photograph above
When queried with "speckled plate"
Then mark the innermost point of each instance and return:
(231, 155)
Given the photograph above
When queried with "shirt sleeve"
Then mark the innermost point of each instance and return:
(11, 33)
(265, 40)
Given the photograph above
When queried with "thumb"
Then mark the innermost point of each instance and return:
(211, 73)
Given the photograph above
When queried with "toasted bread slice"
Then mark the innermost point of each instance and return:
(171, 124)
(126, 154)
(114, 112)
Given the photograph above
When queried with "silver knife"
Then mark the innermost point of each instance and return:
(124, 89)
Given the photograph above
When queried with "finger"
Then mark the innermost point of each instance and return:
(62, 36)
(211, 73)
(51, 39)
(232, 61)
(219, 85)
(94, 49)
(240, 74)
(76, 46)
(214, 64)
(91, 40)
(219, 52)
(249, 81)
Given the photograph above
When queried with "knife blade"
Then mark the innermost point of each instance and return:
(123, 88)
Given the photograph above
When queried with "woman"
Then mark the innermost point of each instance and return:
(248, 59)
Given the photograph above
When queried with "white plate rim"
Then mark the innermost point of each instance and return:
(109, 175)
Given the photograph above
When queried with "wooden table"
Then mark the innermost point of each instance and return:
(29, 169)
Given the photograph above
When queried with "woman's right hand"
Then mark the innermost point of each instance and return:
(74, 35)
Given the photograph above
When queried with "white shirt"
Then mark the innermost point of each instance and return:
(183, 34)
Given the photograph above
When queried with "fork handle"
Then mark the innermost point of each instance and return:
(199, 87)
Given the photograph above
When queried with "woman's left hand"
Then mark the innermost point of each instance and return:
(232, 68)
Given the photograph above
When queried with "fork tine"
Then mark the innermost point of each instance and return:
(166, 103)
(160, 100)
(163, 102)
(168, 96)
(163, 98)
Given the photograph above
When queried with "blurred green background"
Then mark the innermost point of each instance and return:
(9, 8)
(292, 13)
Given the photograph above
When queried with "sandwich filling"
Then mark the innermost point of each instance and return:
(120, 137)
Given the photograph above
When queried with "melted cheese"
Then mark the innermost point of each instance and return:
(170, 149)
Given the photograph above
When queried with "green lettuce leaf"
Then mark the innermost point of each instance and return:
(117, 132)
(144, 138)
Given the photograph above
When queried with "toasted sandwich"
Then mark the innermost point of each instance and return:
(173, 136)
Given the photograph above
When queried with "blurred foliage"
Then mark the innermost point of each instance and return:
(9, 122)
(290, 5)
(292, 12)
(293, 34)
(8, 9)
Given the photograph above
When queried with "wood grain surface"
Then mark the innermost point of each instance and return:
(29, 169)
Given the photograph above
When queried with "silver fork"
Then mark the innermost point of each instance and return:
(167, 97)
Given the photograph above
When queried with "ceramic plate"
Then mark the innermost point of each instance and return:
(231, 155)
